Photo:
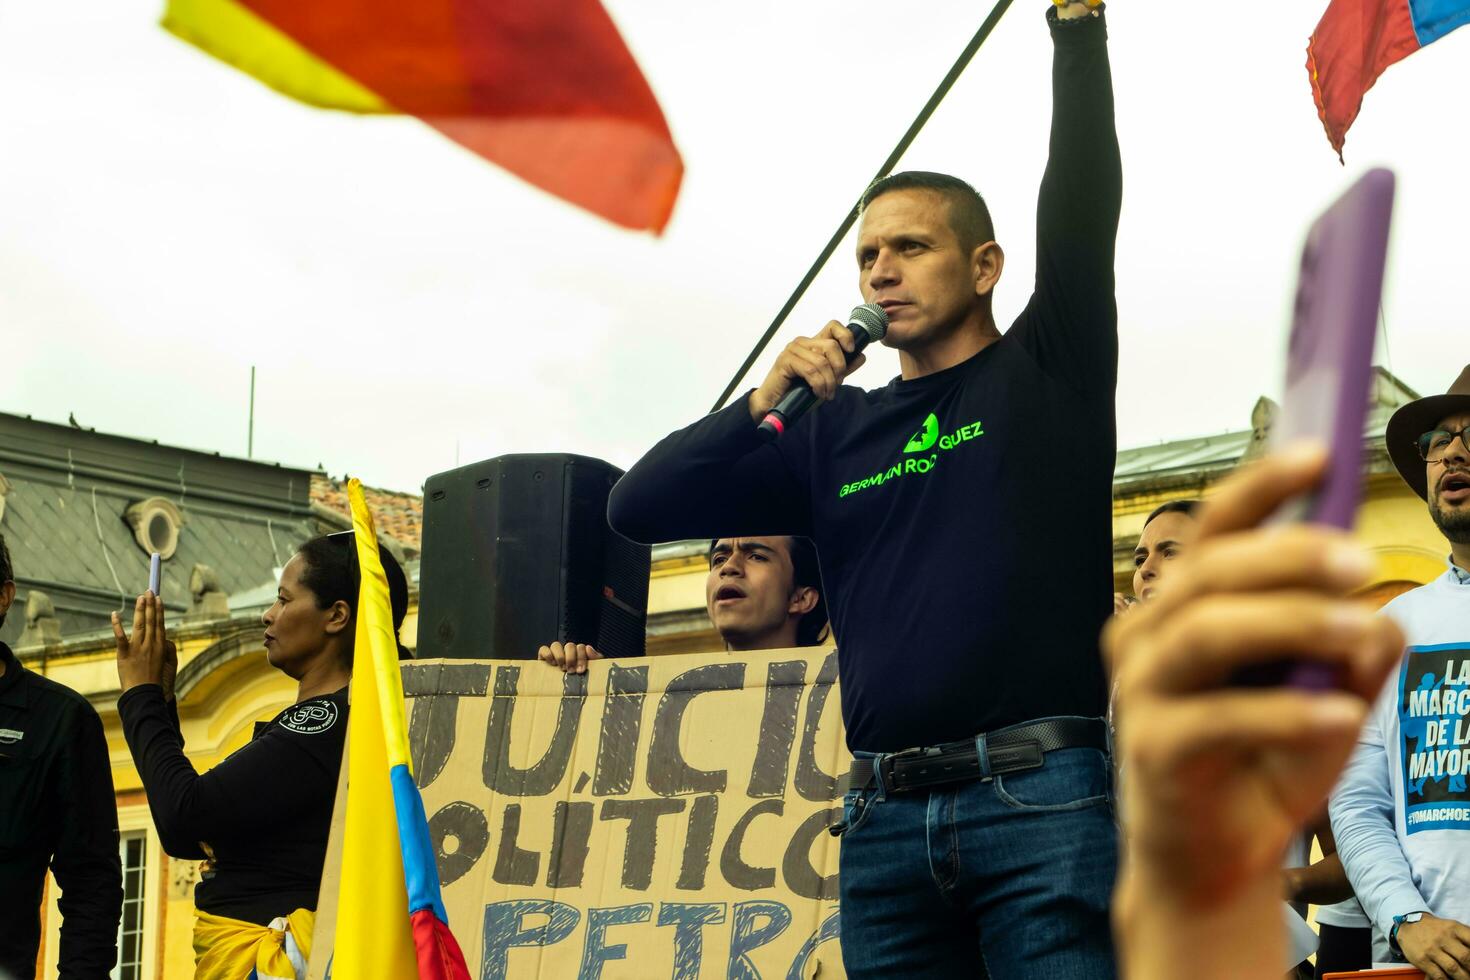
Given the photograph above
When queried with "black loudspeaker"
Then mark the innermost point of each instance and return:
(517, 552)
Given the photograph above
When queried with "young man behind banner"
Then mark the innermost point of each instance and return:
(963, 518)
(760, 594)
(1401, 813)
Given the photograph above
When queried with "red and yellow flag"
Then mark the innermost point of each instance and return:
(545, 88)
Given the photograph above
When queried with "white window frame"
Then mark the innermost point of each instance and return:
(140, 899)
(132, 820)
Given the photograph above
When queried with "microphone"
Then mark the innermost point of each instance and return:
(868, 322)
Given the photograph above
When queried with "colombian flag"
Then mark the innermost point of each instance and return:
(390, 919)
(1358, 39)
(545, 88)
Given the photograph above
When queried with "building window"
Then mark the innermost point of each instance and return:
(155, 523)
(130, 930)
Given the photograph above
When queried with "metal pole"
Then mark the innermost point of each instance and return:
(898, 151)
(250, 432)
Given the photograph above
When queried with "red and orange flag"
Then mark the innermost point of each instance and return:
(545, 88)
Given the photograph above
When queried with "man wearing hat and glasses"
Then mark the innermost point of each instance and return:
(1401, 813)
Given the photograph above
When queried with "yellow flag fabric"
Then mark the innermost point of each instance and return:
(546, 89)
(229, 949)
(236, 35)
(374, 937)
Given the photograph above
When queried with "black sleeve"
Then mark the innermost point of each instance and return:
(1070, 324)
(240, 793)
(86, 863)
(715, 478)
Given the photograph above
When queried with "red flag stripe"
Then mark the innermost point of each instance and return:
(547, 89)
(1353, 44)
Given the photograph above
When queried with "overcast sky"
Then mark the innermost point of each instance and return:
(166, 222)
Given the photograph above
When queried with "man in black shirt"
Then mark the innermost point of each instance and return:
(57, 809)
(963, 517)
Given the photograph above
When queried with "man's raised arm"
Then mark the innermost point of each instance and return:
(1071, 323)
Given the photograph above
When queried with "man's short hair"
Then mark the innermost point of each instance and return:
(968, 215)
(806, 572)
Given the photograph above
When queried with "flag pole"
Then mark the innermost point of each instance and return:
(945, 84)
(250, 425)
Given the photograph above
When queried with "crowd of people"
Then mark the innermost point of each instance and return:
(1019, 804)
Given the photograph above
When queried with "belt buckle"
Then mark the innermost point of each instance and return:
(891, 761)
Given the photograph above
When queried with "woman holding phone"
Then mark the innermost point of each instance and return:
(261, 817)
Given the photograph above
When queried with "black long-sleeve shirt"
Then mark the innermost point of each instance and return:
(264, 812)
(963, 519)
(57, 809)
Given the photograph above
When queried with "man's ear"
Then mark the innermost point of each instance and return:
(803, 601)
(338, 617)
(987, 262)
(7, 596)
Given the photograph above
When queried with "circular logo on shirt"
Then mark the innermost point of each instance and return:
(310, 719)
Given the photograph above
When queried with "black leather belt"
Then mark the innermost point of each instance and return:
(1009, 750)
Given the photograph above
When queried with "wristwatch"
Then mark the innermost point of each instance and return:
(1393, 934)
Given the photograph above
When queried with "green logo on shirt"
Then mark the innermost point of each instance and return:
(923, 441)
(925, 438)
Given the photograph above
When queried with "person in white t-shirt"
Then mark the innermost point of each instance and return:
(1401, 812)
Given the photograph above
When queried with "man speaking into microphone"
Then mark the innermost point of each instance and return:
(963, 518)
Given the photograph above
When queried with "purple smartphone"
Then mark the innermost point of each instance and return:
(1330, 368)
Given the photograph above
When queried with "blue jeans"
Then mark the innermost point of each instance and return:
(1008, 877)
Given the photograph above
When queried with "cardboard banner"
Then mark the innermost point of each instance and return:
(659, 817)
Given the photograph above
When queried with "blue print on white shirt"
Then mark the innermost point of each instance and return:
(1434, 718)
